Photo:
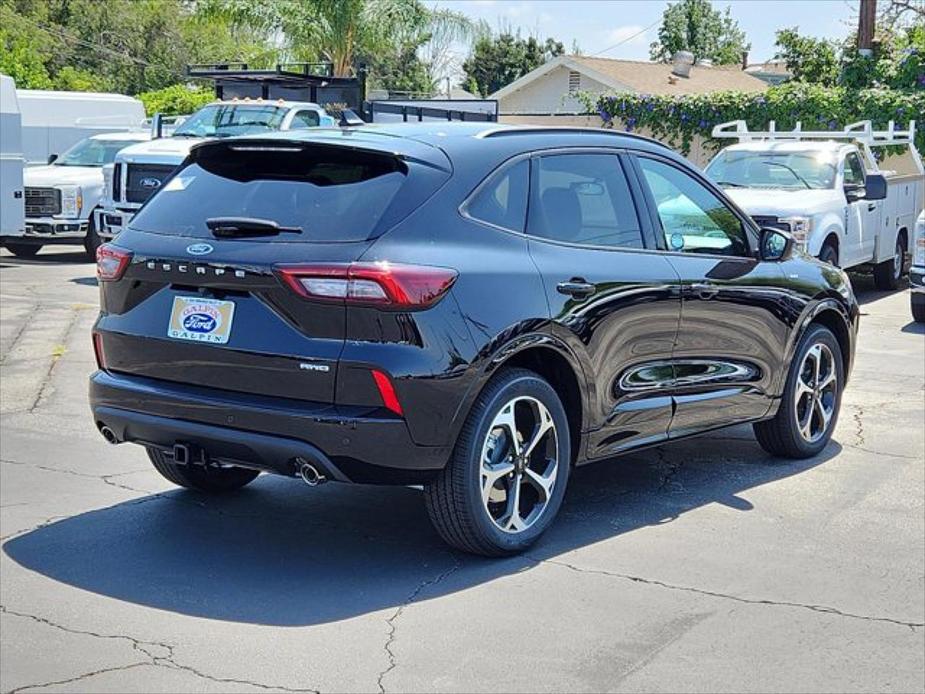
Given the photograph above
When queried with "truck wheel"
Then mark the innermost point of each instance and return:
(507, 475)
(829, 254)
(888, 273)
(811, 400)
(201, 479)
(23, 250)
(918, 313)
(92, 241)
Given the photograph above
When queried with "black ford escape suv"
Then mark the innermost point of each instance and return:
(478, 309)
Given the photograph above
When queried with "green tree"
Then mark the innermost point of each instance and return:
(808, 59)
(693, 25)
(496, 61)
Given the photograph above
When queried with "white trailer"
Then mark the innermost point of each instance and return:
(12, 202)
(53, 122)
(829, 190)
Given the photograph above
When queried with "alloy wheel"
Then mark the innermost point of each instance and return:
(899, 255)
(518, 465)
(816, 392)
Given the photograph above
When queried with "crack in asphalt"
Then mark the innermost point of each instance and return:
(673, 468)
(55, 358)
(166, 659)
(19, 333)
(78, 678)
(824, 609)
(393, 626)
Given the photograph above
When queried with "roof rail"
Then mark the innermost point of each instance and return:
(526, 128)
(862, 131)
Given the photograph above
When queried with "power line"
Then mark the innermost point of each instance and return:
(627, 39)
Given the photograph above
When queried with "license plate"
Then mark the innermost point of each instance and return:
(200, 320)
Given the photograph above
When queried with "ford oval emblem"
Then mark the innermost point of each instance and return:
(199, 323)
(150, 183)
(199, 249)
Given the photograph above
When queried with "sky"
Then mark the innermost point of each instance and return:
(597, 25)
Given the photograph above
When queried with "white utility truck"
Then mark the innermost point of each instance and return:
(53, 122)
(12, 204)
(140, 170)
(827, 189)
(62, 196)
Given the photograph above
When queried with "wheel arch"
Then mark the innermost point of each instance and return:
(830, 314)
(550, 358)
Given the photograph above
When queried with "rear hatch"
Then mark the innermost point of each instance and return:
(203, 300)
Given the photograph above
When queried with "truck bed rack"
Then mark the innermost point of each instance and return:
(862, 131)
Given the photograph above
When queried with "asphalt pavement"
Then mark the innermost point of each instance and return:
(702, 566)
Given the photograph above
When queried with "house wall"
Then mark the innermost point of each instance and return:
(699, 155)
(549, 94)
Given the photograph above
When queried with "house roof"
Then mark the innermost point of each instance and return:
(646, 77)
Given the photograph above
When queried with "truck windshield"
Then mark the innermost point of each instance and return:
(786, 170)
(226, 120)
(92, 152)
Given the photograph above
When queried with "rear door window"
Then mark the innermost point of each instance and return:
(330, 193)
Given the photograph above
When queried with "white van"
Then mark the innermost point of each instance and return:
(53, 122)
(12, 203)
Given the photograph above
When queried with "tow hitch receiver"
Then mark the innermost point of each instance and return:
(187, 454)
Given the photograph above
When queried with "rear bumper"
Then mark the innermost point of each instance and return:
(350, 444)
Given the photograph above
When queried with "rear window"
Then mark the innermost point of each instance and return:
(331, 193)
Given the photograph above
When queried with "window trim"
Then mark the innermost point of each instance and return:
(641, 213)
(499, 170)
(748, 224)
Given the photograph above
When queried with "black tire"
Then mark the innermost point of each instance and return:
(886, 274)
(202, 479)
(92, 240)
(454, 499)
(23, 250)
(781, 435)
(829, 254)
(918, 313)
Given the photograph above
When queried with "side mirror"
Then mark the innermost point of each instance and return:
(52, 158)
(349, 119)
(774, 244)
(875, 186)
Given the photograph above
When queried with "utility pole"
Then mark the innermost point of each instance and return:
(867, 20)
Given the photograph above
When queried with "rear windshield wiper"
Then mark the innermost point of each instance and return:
(247, 226)
(730, 184)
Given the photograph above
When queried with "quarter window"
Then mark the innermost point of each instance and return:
(693, 218)
(583, 199)
(502, 201)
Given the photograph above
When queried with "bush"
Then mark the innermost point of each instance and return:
(176, 100)
(677, 119)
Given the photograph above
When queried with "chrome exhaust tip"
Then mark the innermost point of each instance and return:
(310, 474)
(109, 435)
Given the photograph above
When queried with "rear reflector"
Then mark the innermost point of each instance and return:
(382, 284)
(98, 351)
(111, 262)
(387, 392)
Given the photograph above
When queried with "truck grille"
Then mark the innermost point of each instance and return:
(42, 202)
(143, 180)
(773, 222)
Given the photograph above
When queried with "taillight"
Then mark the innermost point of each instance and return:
(383, 284)
(98, 350)
(387, 392)
(111, 262)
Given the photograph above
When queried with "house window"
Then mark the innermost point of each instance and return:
(574, 82)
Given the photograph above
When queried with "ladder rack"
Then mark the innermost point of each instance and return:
(862, 132)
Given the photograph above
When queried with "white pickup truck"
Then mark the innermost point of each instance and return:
(139, 171)
(61, 197)
(827, 189)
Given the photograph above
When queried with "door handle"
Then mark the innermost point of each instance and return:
(704, 291)
(577, 287)
(871, 207)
